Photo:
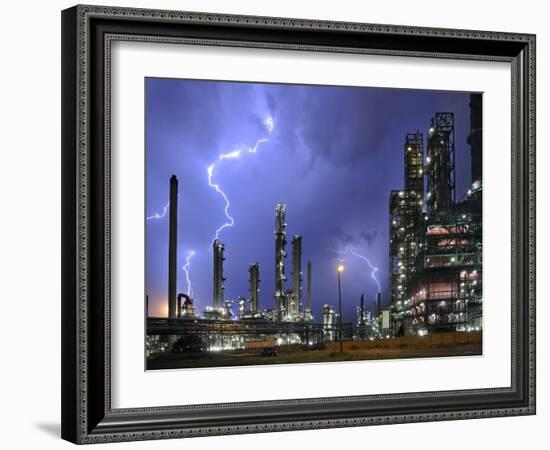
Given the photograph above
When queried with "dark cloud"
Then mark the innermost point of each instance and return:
(271, 103)
(369, 237)
(333, 157)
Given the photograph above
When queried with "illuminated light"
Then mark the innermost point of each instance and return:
(453, 259)
(409, 149)
(428, 160)
(401, 193)
(431, 130)
(469, 192)
(340, 268)
(429, 194)
(463, 216)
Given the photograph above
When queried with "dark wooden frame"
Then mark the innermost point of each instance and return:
(87, 32)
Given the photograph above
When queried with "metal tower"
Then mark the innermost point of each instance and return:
(296, 275)
(254, 289)
(173, 249)
(218, 248)
(441, 154)
(280, 242)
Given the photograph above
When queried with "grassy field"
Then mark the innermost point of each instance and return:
(227, 359)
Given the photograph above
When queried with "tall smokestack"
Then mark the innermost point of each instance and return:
(280, 242)
(474, 139)
(218, 248)
(296, 274)
(309, 287)
(254, 289)
(378, 303)
(172, 248)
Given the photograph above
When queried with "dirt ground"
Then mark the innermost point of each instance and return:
(239, 358)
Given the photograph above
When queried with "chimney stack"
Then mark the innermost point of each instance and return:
(172, 249)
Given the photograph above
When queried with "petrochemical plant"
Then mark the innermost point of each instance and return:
(435, 254)
(287, 322)
(435, 266)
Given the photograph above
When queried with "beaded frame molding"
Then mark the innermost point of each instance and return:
(87, 35)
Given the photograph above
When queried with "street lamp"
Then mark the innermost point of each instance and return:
(340, 270)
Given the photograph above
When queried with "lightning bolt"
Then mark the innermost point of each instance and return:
(187, 269)
(234, 154)
(160, 215)
(374, 269)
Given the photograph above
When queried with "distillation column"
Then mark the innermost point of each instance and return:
(280, 242)
(218, 248)
(296, 275)
(254, 289)
(309, 306)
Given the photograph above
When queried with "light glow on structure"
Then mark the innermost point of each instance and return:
(234, 154)
(187, 269)
(157, 215)
(350, 249)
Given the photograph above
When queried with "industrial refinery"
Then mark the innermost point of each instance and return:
(284, 319)
(432, 307)
(435, 251)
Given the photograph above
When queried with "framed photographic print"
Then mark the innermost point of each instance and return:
(282, 224)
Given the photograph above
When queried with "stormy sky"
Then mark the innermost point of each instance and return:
(331, 154)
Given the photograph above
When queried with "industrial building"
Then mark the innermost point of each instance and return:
(435, 249)
(435, 265)
(217, 328)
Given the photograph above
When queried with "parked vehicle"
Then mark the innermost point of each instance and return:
(268, 351)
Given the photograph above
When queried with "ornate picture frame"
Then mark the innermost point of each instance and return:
(88, 33)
